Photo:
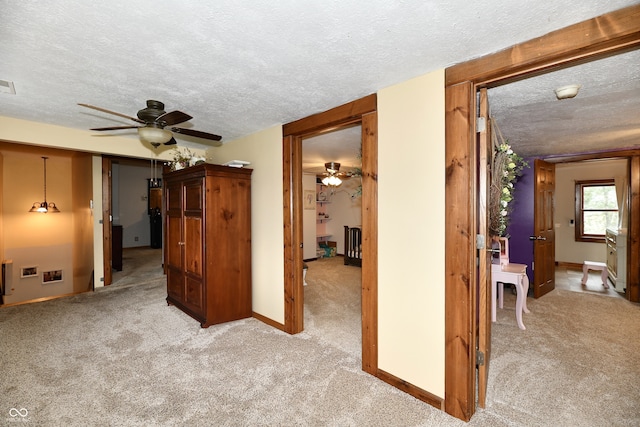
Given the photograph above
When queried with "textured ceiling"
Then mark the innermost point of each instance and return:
(241, 66)
(604, 115)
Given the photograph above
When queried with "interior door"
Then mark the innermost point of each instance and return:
(544, 238)
(106, 219)
(484, 252)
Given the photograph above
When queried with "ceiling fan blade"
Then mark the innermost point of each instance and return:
(172, 141)
(116, 128)
(111, 112)
(197, 134)
(173, 118)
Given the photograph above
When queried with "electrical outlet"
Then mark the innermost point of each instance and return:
(135, 239)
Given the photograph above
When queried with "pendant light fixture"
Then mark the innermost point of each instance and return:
(44, 207)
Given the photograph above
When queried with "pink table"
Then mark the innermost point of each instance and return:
(510, 273)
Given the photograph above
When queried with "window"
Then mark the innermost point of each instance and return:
(596, 209)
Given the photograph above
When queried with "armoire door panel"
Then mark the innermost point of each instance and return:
(194, 294)
(173, 242)
(193, 245)
(175, 283)
(174, 197)
(193, 195)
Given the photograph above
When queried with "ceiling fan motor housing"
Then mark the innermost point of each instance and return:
(332, 167)
(154, 110)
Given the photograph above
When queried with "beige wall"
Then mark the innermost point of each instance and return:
(411, 210)
(264, 151)
(82, 191)
(567, 249)
(33, 239)
(96, 217)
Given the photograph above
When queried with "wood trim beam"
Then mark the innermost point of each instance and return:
(633, 251)
(460, 283)
(596, 37)
(293, 302)
(336, 117)
(370, 243)
(106, 220)
(609, 154)
(411, 389)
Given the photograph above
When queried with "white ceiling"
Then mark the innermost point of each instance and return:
(241, 66)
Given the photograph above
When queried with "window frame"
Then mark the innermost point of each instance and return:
(580, 236)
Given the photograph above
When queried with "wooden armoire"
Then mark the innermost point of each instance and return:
(208, 242)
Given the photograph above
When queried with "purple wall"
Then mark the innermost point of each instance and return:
(521, 221)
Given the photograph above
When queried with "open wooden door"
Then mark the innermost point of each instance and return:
(106, 219)
(483, 341)
(544, 238)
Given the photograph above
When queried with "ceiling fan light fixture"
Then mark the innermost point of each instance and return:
(155, 135)
(566, 92)
(331, 181)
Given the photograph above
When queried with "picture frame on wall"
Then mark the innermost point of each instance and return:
(30, 271)
(309, 201)
(52, 276)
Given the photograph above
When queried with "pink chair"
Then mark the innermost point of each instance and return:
(506, 272)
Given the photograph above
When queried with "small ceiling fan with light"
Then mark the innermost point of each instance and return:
(333, 177)
(157, 125)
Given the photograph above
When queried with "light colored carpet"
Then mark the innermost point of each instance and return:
(139, 265)
(123, 357)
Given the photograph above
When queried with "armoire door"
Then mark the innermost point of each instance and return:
(193, 245)
(174, 250)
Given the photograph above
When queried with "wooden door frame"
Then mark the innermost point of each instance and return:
(107, 217)
(363, 111)
(595, 38)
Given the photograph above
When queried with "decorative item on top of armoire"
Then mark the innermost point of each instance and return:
(184, 158)
(208, 242)
(507, 168)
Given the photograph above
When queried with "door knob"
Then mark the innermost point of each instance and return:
(537, 238)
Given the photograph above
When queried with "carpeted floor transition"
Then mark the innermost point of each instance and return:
(123, 357)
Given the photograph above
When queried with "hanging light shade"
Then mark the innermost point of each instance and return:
(154, 134)
(44, 207)
(331, 180)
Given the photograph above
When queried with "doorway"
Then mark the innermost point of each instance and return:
(584, 41)
(364, 112)
(132, 250)
(332, 306)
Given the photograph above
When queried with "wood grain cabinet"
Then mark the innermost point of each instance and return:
(208, 242)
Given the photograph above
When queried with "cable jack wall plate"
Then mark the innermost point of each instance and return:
(7, 87)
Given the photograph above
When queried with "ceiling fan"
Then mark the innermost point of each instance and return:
(333, 177)
(154, 120)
